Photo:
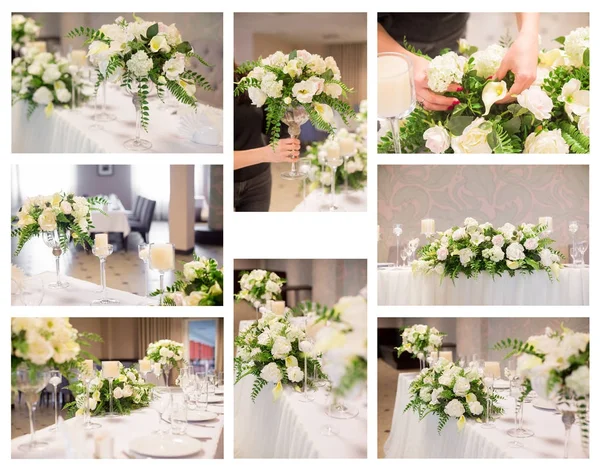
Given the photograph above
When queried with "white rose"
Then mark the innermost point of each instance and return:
(47, 220)
(465, 255)
(454, 408)
(305, 346)
(507, 230)
(174, 67)
(189, 270)
(65, 207)
(277, 59)
(127, 391)
(532, 244)
(43, 96)
(546, 142)
(118, 393)
(437, 139)
(51, 74)
(498, 240)
(536, 101)
(584, 124)
(271, 373)
(295, 374)
(475, 407)
(496, 254)
(35, 69)
(473, 139)
(63, 95)
(461, 386)
(459, 234)
(515, 251)
(257, 96)
(281, 347)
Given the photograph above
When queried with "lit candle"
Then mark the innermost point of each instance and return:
(162, 257)
(101, 240)
(145, 365)
(110, 369)
(347, 145)
(427, 226)
(546, 221)
(394, 91)
(78, 57)
(332, 150)
(492, 369)
(87, 368)
(447, 355)
(278, 307)
(39, 46)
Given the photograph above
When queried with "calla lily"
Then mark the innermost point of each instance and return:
(277, 390)
(324, 112)
(576, 101)
(461, 423)
(291, 361)
(49, 109)
(552, 58)
(555, 270)
(513, 264)
(493, 92)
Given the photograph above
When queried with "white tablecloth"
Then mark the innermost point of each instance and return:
(114, 221)
(123, 429)
(80, 293)
(69, 132)
(402, 287)
(356, 201)
(411, 438)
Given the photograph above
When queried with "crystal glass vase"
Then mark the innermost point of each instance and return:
(294, 117)
(30, 382)
(53, 239)
(137, 144)
(103, 253)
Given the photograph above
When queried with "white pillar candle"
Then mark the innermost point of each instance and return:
(394, 91)
(447, 355)
(162, 257)
(101, 240)
(39, 46)
(278, 307)
(110, 369)
(427, 226)
(492, 369)
(332, 149)
(145, 365)
(347, 145)
(546, 221)
(87, 368)
(78, 57)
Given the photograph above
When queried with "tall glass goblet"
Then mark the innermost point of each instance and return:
(53, 240)
(104, 116)
(162, 259)
(144, 255)
(573, 228)
(96, 125)
(55, 380)
(137, 144)
(110, 370)
(582, 249)
(397, 231)
(294, 117)
(334, 160)
(103, 252)
(396, 97)
(30, 383)
(488, 381)
(347, 149)
(516, 391)
(86, 376)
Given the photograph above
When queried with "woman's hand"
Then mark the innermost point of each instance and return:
(286, 150)
(521, 59)
(430, 100)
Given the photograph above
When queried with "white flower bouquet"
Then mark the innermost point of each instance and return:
(47, 342)
(449, 391)
(130, 392)
(556, 366)
(23, 31)
(473, 248)
(298, 80)
(420, 341)
(269, 350)
(165, 353)
(199, 284)
(551, 116)
(260, 286)
(61, 212)
(45, 79)
(140, 53)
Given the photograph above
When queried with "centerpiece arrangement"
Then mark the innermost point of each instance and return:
(129, 390)
(474, 248)
(199, 284)
(139, 54)
(451, 392)
(260, 286)
(551, 116)
(295, 88)
(270, 349)
(23, 31)
(556, 365)
(421, 341)
(165, 355)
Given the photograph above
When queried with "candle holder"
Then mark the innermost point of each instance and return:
(340, 410)
(306, 395)
(346, 157)
(109, 376)
(55, 380)
(53, 239)
(104, 116)
(305, 163)
(143, 254)
(102, 253)
(30, 383)
(86, 378)
(294, 117)
(333, 162)
(397, 231)
(73, 70)
(162, 259)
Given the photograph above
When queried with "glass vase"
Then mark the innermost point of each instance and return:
(137, 144)
(30, 383)
(52, 240)
(102, 253)
(294, 117)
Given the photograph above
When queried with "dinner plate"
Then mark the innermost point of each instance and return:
(214, 399)
(200, 415)
(543, 404)
(165, 446)
(501, 384)
(385, 265)
(219, 391)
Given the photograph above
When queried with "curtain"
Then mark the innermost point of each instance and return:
(352, 61)
(219, 340)
(153, 182)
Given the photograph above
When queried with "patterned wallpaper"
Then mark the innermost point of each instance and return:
(494, 193)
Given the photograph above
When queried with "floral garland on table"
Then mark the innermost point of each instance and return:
(145, 52)
(130, 392)
(356, 166)
(474, 248)
(61, 212)
(551, 116)
(45, 79)
(420, 341)
(48, 342)
(449, 391)
(556, 366)
(270, 350)
(23, 31)
(199, 284)
(260, 286)
(295, 80)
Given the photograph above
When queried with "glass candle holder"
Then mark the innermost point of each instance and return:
(30, 383)
(144, 255)
(55, 380)
(104, 116)
(162, 259)
(334, 161)
(52, 239)
(110, 370)
(103, 252)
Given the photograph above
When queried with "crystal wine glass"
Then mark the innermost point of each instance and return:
(103, 252)
(159, 401)
(404, 252)
(397, 231)
(305, 164)
(30, 383)
(582, 249)
(52, 239)
(104, 116)
(55, 380)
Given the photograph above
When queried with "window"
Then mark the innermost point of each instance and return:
(201, 343)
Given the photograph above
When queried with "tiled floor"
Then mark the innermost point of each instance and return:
(124, 270)
(19, 418)
(285, 194)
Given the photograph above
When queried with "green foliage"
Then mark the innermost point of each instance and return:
(90, 34)
(578, 142)
(257, 387)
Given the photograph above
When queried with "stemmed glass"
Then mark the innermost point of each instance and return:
(95, 116)
(211, 377)
(306, 394)
(52, 240)
(488, 381)
(347, 150)
(32, 291)
(294, 117)
(202, 391)
(73, 71)
(404, 253)
(103, 252)
(412, 249)
(329, 430)
(566, 404)
(145, 367)
(516, 391)
(334, 160)
(159, 401)
(162, 259)
(144, 254)
(86, 375)
(574, 251)
(396, 97)
(55, 380)
(397, 231)
(305, 164)
(573, 228)
(137, 144)
(30, 383)
(582, 249)
(104, 116)
(110, 370)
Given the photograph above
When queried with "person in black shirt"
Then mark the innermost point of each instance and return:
(253, 155)
(432, 32)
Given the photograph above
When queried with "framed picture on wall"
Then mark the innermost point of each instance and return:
(105, 170)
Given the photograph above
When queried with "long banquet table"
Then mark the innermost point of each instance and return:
(66, 131)
(122, 430)
(80, 293)
(403, 287)
(356, 201)
(411, 438)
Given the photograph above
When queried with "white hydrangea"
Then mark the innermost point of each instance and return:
(140, 64)
(487, 61)
(576, 42)
(444, 70)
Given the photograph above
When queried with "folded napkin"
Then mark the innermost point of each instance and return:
(200, 127)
